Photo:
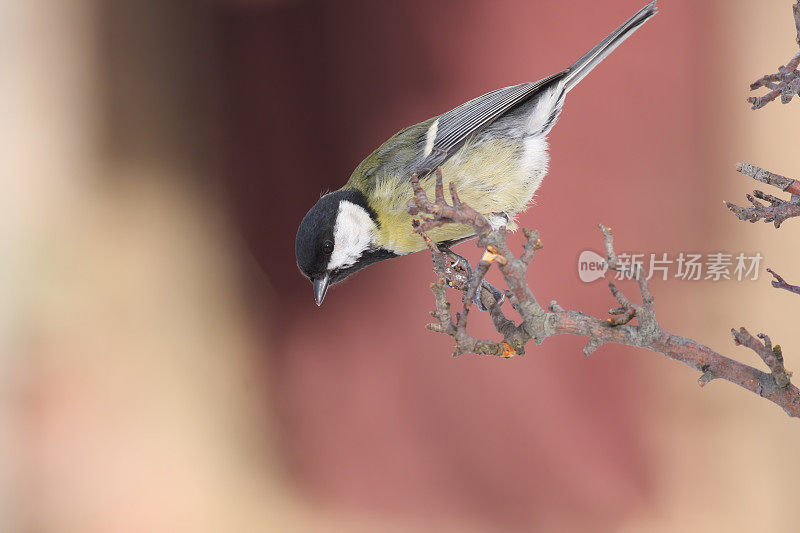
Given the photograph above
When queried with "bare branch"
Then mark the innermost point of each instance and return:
(778, 210)
(770, 178)
(538, 323)
(786, 82)
(796, 11)
(780, 283)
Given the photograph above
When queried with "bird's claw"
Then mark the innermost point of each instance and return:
(458, 262)
(498, 295)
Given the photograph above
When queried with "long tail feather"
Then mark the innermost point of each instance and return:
(594, 56)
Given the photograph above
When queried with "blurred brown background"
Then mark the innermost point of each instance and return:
(164, 367)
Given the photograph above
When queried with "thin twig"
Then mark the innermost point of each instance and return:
(780, 283)
(786, 82)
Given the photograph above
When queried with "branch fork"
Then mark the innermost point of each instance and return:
(786, 82)
(778, 210)
(771, 355)
(780, 283)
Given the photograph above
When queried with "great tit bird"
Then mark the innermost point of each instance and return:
(493, 147)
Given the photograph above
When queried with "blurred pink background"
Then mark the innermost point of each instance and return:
(167, 369)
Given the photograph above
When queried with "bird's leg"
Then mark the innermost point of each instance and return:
(498, 295)
(458, 271)
(459, 262)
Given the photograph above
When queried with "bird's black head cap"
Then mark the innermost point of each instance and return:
(315, 240)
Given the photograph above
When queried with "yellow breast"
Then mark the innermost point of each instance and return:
(492, 176)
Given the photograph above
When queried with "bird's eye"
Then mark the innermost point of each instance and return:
(327, 247)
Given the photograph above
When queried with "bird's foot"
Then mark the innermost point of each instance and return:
(463, 272)
(498, 295)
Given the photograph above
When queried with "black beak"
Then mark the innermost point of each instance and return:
(321, 287)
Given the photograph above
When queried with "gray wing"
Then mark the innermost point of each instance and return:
(446, 135)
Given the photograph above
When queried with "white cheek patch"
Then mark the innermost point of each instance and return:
(353, 234)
